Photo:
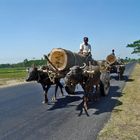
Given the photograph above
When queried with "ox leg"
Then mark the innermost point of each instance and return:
(85, 101)
(45, 94)
(97, 96)
(61, 88)
(56, 88)
(45, 101)
(46, 98)
(119, 72)
(58, 84)
(119, 77)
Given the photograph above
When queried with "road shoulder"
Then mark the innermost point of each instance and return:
(9, 82)
(125, 121)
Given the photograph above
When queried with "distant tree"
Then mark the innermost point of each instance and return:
(5, 65)
(136, 47)
(25, 62)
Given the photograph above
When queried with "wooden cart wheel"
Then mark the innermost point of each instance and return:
(104, 88)
(105, 83)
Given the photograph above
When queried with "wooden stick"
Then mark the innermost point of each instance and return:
(45, 56)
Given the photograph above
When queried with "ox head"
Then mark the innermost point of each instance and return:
(75, 75)
(33, 74)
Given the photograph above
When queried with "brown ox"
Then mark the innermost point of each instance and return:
(87, 77)
(43, 78)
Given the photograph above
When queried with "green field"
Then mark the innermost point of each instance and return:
(13, 73)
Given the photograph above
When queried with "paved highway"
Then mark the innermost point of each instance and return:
(24, 117)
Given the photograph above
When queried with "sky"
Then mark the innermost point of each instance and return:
(31, 28)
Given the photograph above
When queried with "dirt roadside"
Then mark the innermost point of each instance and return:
(124, 123)
(9, 82)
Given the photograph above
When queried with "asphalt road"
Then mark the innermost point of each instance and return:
(24, 117)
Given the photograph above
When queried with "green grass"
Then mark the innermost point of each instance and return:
(13, 73)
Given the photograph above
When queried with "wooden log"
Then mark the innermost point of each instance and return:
(63, 59)
(111, 59)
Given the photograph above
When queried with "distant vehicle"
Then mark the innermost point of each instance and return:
(115, 65)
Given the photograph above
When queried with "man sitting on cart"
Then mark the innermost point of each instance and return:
(85, 49)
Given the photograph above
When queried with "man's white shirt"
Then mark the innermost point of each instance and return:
(85, 48)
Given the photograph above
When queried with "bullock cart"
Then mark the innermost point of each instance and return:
(115, 65)
(61, 61)
(78, 69)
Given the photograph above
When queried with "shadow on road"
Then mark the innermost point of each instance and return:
(124, 78)
(108, 103)
(65, 102)
(104, 104)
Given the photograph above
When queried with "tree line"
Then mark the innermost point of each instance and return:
(25, 63)
(29, 63)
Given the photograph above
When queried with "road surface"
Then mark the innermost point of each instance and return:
(24, 117)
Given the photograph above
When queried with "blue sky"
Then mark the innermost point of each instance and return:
(31, 28)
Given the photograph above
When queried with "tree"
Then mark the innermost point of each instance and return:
(25, 62)
(136, 46)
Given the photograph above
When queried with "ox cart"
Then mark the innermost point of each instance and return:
(78, 69)
(115, 65)
(61, 61)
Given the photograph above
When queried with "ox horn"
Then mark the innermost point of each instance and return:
(82, 67)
